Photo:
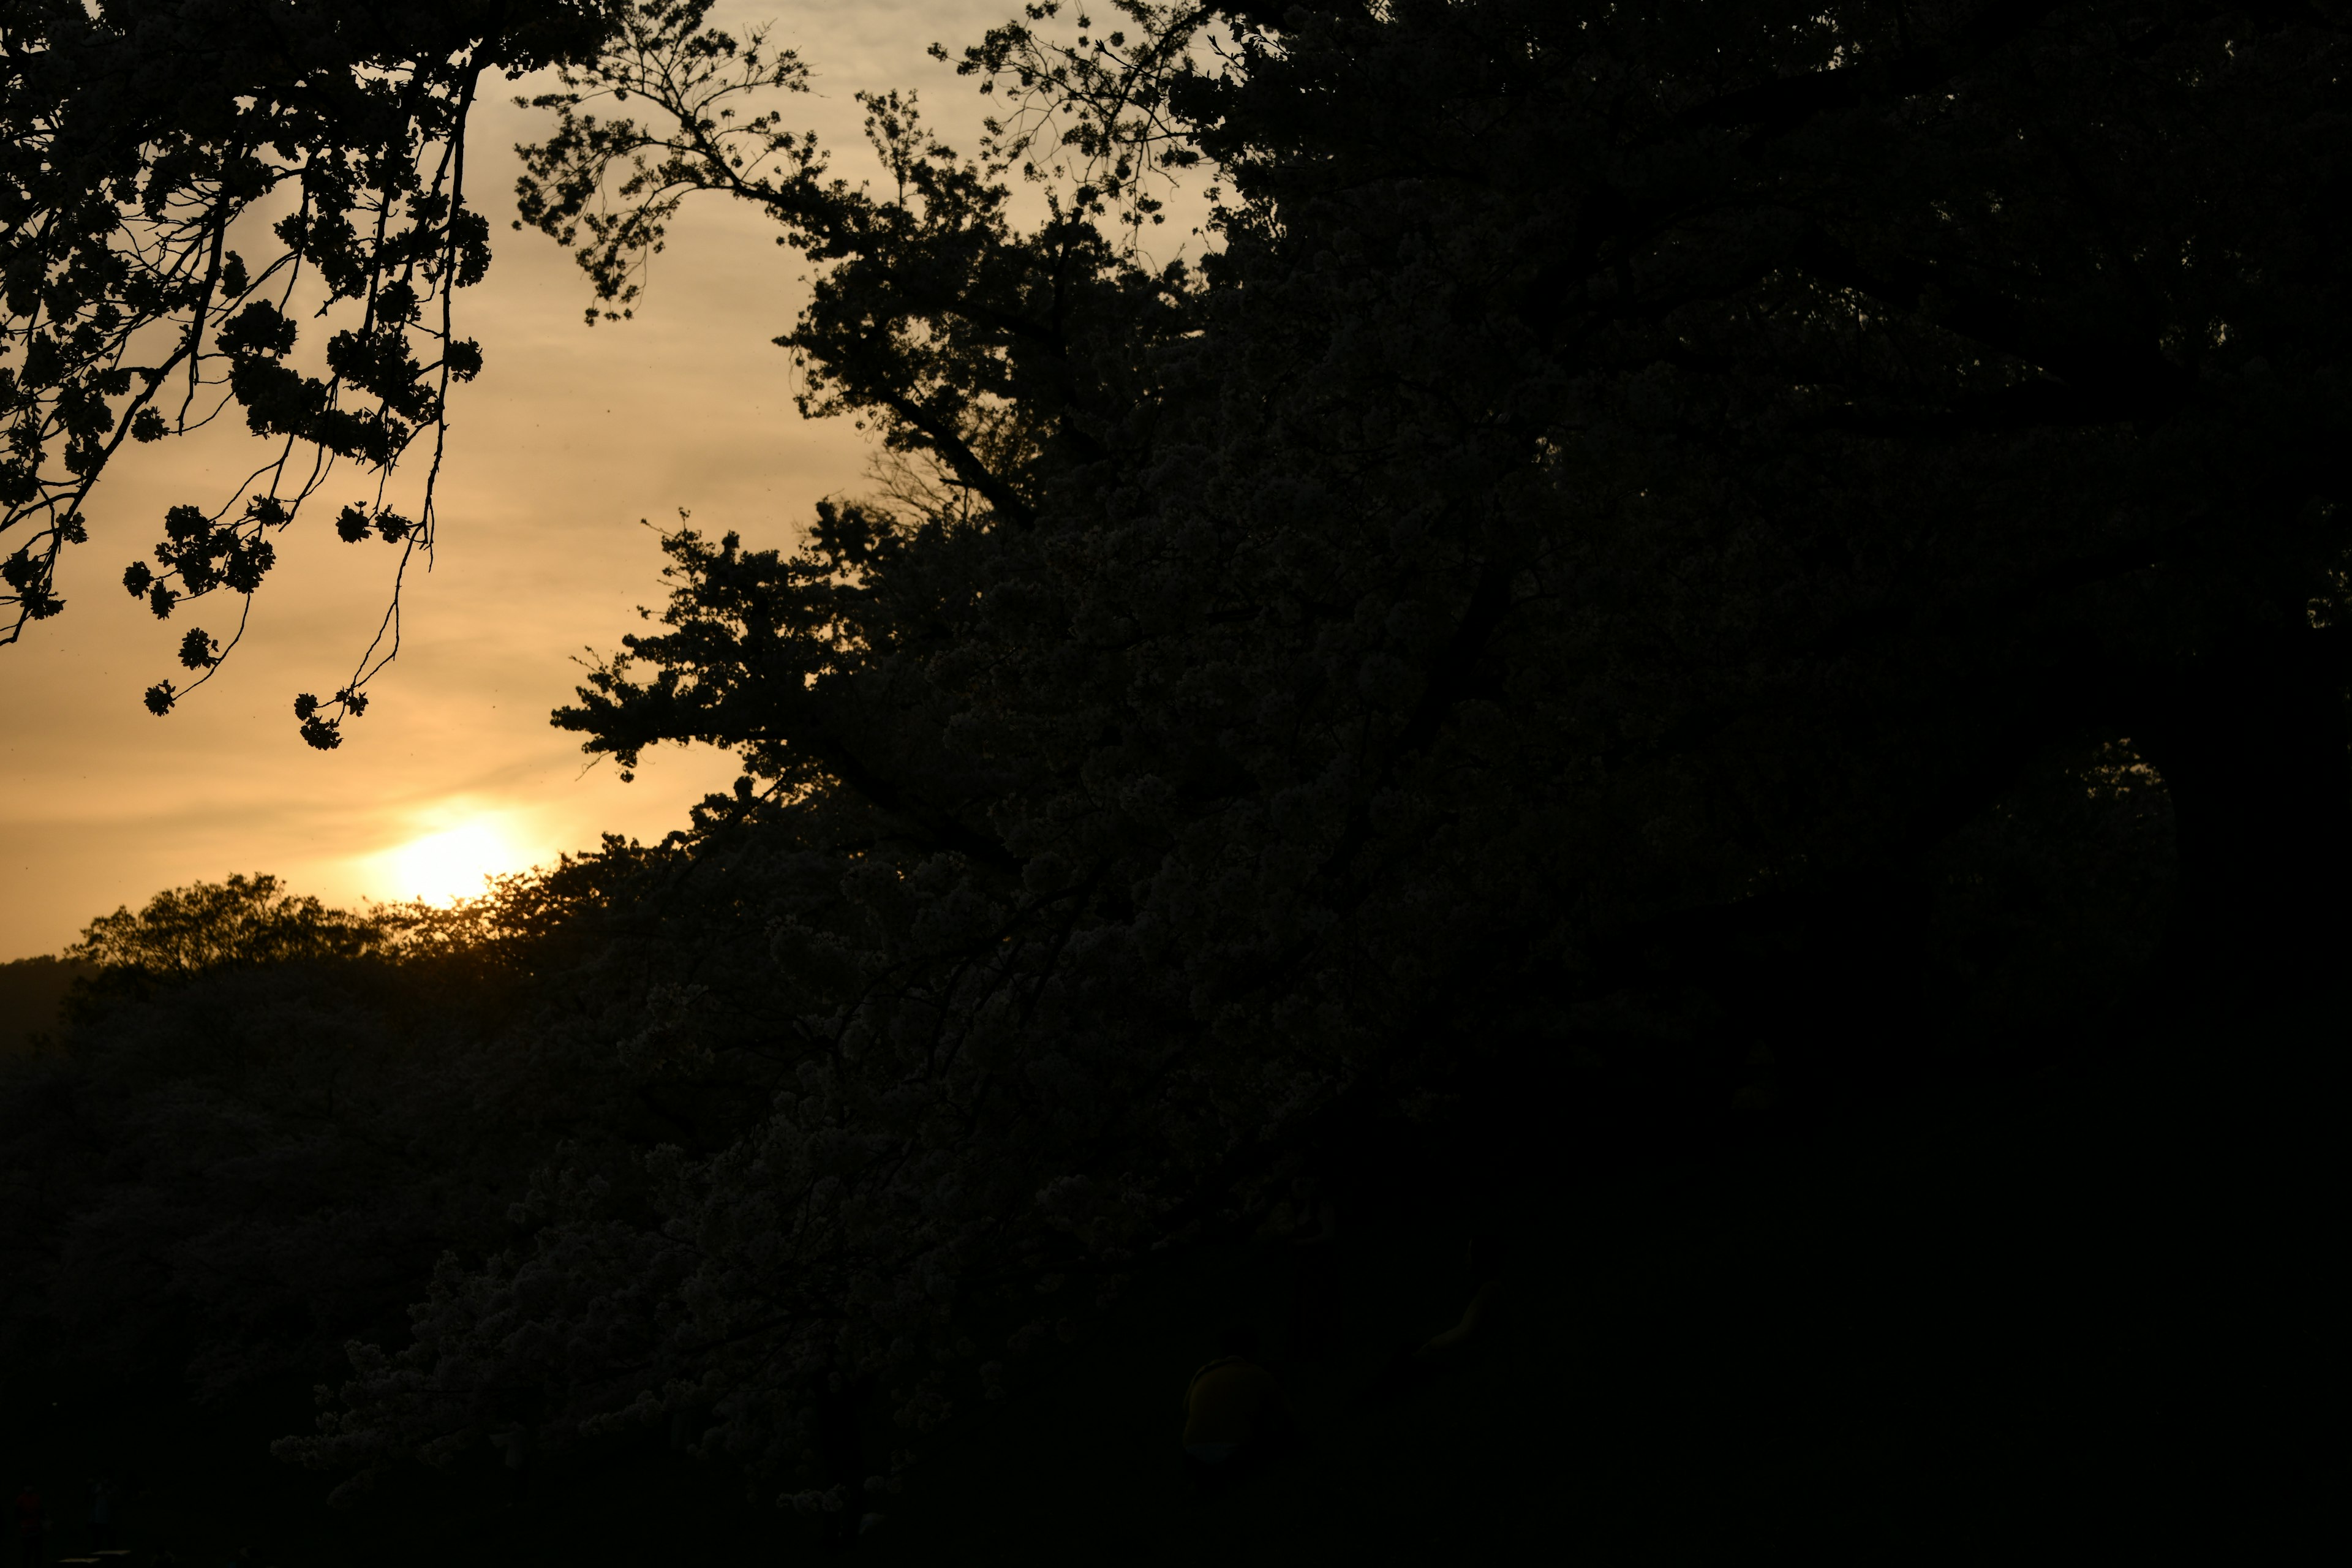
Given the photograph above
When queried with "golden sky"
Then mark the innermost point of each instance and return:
(569, 438)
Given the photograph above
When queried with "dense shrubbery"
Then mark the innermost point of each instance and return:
(269, 1127)
(264, 1122)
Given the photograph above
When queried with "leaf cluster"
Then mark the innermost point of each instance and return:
(141, 144)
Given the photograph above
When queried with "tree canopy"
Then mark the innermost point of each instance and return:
(242, 922)
(1615, 473)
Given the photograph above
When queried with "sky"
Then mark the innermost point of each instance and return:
(571, 438)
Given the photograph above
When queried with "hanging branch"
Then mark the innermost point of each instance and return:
(131, 151)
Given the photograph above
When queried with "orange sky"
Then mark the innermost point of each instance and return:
(569, 438)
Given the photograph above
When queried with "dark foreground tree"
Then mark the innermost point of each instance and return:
(1620, 473)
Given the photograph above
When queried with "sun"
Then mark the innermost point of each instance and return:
(452, 864)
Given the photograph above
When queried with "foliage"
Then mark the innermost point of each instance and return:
(2051, 903)
(32, 999)
(1634, 559)
(244, 1144)
(140, 136)
(243, 922)
(1098, 114)
(270, 1117)
(1620, 476)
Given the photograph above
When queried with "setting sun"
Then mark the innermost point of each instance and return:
(451, 863)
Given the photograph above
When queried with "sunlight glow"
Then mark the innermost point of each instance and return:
(452, 864)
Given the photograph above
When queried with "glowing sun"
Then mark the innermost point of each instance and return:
(451, 863)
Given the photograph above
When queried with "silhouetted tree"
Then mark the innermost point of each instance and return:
(135, 137)
(1616, 468)
(244, 922)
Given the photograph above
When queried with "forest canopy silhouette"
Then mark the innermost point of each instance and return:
(1650, 539)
